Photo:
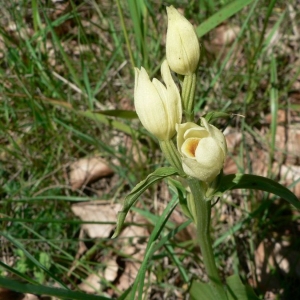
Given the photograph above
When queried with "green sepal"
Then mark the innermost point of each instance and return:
(138, 190)
(254, 182)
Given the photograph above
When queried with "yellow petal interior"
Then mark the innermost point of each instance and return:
(189, 147)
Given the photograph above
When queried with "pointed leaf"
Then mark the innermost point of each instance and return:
(138, 190)
(237, 290)
(247, 181)
(201, 290)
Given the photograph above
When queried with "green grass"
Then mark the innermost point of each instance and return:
(62, 78)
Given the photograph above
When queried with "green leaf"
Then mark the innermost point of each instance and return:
(222, 15)
(201, 290)
(138, 190)
(254, 182)
(237, 290)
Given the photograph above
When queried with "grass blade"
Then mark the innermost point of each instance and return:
(222, 15)
(44, 290)
(273, 107)
(30, 257)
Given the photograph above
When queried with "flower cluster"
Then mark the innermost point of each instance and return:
(202, 148)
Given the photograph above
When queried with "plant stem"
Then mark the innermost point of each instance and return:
(172, 155)
(203, 211)
(188, 96)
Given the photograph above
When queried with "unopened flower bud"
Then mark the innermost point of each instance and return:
(203, 150)
(182, 46)
(158, 106)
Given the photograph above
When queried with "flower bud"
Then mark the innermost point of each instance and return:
(182, 46)
(203, 150)
(158, 106)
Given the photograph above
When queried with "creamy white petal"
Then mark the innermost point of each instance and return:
(209, 154)
(181, 129)
(182, 45)
(173, 105)
(197, 171)
(158, 106)
(217, 134)
(198, 131)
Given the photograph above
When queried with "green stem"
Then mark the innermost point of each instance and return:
(203, 211)
(172, 155)
(188, 96)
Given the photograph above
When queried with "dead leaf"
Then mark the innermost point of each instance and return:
(100, 211)
(128, 276)
(111, 270)
(287, 143)
(224, 35)
(233, 138)
(91, 284)
(31, 297)
(87, 170)
(280, 117)
(222, 38)
(290, 175)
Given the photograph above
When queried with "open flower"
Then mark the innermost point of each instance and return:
(182, 46)
(203, 149)
(158, 106)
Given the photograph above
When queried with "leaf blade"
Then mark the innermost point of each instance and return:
(237, 290)
(138, 190)
(255, 182)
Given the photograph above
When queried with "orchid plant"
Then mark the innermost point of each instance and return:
(196, 151)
